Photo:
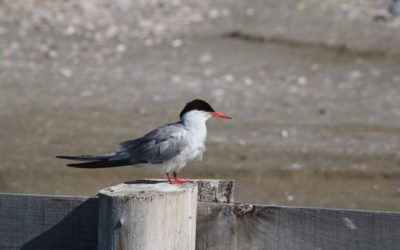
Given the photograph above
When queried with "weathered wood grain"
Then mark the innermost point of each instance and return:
(156, 216)
(236, 227)
(44, 222)
(214, 190)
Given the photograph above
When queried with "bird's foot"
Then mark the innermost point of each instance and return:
(176, 179)
(177, 182)
(180, 181)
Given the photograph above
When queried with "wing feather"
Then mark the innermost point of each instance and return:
(161, 144)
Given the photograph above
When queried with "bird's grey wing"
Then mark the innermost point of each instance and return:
(129, 143)
(161, 144)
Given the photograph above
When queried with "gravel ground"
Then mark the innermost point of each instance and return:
(313, 88)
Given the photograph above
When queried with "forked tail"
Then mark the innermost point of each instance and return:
(95, 161)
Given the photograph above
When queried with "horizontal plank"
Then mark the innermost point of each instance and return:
(238, 226)
(48, 222)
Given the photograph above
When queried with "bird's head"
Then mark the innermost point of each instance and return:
(199, 110)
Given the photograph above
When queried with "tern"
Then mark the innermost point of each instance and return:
(166, 149)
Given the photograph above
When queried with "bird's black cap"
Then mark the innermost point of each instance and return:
(196, 105)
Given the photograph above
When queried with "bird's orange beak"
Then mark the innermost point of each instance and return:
(218, 114)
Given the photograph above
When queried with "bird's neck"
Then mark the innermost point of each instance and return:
(197, 131)
(196, 126)
(195, 123)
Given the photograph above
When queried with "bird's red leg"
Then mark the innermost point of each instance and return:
(177, 179)
(169, 179)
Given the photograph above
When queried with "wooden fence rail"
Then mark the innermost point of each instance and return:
(44, 222)
(61, 222)
(232, 226)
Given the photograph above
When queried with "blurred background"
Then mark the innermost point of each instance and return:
(313, 87)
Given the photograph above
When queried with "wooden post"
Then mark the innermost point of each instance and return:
(147, 215)
(215, 190)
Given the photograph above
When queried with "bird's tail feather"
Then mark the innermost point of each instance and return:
(96, 161)
(101, 164)
(98, 157)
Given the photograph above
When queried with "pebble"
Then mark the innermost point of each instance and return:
(214, 13)
(250, 11)
(15, 45)
(289, 197)
(375, 72)
(302, 80)
(52, 54)
(195, 18)
(354, 75)
(22, 166)
(208, 72)
(159, 29)
(86, 93)
(225, 12)
(248, 81)
(177, 43)
(149, 42)
(296, 166)
(218, 92)
(95, 78)
(111, 32)
(104, 51)
(121, 48)
(205, 58)
(284, 133)
(344, 7)
(143, 111)
(361, 167)
(300, 6)
(3, 30)
(293, 90)
(242, 142)
(8, 52)
(175, 79)
(315, 67)
(70, 30)
(229, 78)
(156, 98)
(67, 73)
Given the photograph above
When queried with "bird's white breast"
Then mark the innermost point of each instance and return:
(195, 125)
(196, 146)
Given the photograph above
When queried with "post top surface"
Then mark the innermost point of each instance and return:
(146, 188)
